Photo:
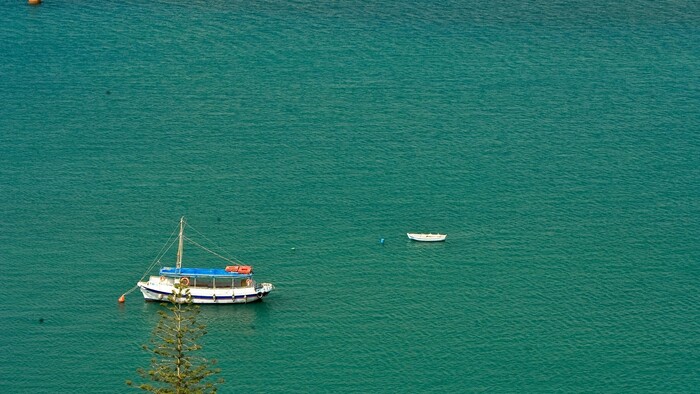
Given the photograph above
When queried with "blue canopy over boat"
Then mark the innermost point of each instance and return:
(201, 273)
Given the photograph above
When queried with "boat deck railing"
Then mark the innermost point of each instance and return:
(223, 283)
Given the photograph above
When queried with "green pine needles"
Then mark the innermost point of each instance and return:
(174, 367)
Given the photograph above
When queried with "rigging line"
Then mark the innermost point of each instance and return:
(163, 251)
(209, 240)
(214, 253)
(172, 236)
(153, 264)
(212, 242)
(169, 244)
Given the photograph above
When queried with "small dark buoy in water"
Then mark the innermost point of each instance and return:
(381, 241)
(41, 320)
(34, 2)
(122, 298)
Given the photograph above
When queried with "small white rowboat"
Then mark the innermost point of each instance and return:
(427, 237)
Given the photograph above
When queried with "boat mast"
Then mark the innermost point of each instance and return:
(178, 262)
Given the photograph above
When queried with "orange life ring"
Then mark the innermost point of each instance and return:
(162, 278)
(185, 281)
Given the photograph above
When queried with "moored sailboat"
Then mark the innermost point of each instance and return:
(233, 284)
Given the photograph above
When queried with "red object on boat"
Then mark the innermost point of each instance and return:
(245, 269)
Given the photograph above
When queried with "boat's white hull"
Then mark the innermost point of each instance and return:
(427, 237)
(240, 295)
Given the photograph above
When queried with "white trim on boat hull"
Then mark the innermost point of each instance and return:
(241, 295)
(427, 237)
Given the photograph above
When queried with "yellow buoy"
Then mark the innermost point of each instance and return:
(34, 2)
(122, 299)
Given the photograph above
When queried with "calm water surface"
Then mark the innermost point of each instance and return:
(557, 145)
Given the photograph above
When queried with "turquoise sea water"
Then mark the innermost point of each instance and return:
(558, 146)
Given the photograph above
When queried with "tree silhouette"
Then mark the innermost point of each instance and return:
(175, 369)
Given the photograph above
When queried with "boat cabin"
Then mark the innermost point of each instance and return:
(207, 277)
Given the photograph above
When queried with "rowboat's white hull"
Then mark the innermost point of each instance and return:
(427, 237)
(153, 291)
